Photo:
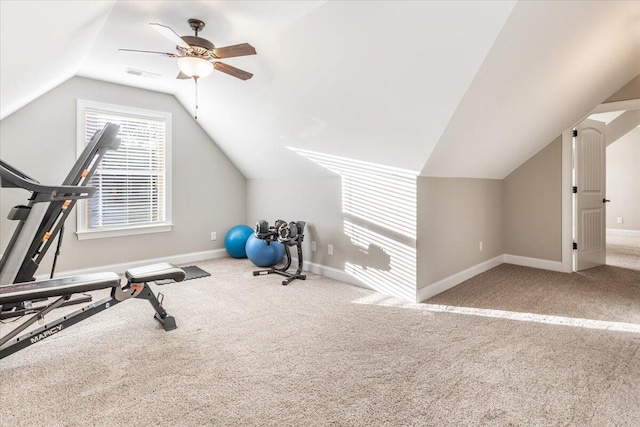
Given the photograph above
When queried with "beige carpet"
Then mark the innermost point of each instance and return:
(602, 293)
(623, 251)
(249, 351)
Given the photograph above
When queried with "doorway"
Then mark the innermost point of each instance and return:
(623, 213)
(619, 118)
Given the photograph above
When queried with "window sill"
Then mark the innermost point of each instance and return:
(120, 232)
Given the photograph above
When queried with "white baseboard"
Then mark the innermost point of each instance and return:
(333, 273)
(122, 267)
(330, 272)
(626, 233)
(440, 286)
(455, 279)
(542, 264)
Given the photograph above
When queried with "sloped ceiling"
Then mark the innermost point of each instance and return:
(42, 44)
(551, 65)
(386, 82)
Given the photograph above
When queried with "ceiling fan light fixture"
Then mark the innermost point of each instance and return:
(195, 67)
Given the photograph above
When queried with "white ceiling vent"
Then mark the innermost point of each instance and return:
(141, 73)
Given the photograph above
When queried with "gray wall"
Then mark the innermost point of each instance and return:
(314, 200)
(623, 182)
(209, 193)
(366, 252)
(532, 206)
(629, 91)
(454, 215)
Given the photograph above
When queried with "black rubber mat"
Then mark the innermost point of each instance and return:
(192, 272)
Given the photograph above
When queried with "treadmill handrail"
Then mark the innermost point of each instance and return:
(45, 192)
(18, 172)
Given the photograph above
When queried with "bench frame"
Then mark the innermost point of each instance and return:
(135, 288)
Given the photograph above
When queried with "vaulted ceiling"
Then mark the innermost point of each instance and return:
(441, 88)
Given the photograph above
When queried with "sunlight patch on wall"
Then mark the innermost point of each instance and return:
(379, 205)
(383, 195)
(394, 275)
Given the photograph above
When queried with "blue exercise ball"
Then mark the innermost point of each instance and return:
(261, 254)
(236, 239)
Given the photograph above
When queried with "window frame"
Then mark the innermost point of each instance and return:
(82, 231)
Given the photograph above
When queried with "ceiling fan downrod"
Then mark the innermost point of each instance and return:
(196, 25)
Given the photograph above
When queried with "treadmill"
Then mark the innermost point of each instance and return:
(43, 217)
(39, 222)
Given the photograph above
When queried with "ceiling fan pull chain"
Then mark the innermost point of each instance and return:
(196, 80)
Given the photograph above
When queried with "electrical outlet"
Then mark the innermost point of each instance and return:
(313, 246)
(330, 249)
(481, 246)
(214, 235)
(619, 220)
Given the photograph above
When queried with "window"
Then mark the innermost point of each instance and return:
(134, 182)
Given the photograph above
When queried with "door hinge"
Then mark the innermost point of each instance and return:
(575, 189)
(575, 132)
(575, 246)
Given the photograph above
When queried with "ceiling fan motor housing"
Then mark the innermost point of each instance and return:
(198, 42)
(199, 45)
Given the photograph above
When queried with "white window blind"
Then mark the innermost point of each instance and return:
(132, 182)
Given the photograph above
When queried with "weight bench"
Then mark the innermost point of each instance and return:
(136, 287)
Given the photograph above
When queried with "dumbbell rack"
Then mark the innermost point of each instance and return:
(297, 241)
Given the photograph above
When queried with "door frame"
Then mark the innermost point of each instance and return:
(567, 179)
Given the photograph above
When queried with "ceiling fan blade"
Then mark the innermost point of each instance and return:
(235, 50)
(173, 55)
(182, 76)
(171, 35)
(232, 71)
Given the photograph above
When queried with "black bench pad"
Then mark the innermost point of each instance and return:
(150, 273)
(65, 286)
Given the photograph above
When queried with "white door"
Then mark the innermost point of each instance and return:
(590, 208)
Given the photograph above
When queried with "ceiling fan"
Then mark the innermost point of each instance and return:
(198, 57)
